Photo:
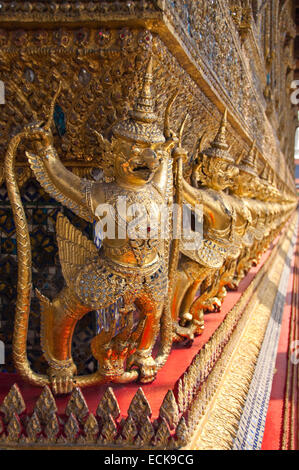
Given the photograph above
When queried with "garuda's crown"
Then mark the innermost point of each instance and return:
(141, 126)
(248, 164)
(219, 146)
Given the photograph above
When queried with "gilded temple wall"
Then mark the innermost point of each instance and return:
(217, 53)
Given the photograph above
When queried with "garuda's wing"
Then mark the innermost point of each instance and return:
(199, 249)
(75, 249)
(44, 180)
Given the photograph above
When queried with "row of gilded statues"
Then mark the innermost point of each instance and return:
(148, 291)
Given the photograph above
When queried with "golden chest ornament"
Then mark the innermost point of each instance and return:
(137, 216)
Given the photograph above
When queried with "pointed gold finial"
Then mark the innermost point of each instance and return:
(248, 164)
(144, 107)
(220, 139)
(139, 407)
(179, 151)
(219, 146)
(169, 410)
(250, 158)
(141, 125)
(181, 130)
(256, 157)
(52, 107)
(12, 404)
(265, 173)
(167, 130)
(240, 157)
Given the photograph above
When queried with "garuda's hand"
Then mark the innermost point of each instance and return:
(180, 153)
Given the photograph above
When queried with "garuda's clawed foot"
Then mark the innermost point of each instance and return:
(146, 365)
(183, 333)
(199, 327)
(232, 286)
(62, 380)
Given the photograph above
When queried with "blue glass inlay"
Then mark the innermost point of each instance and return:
(59, 120)
(105, 317)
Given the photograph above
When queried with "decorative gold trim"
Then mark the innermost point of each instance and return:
(209, 397)
(289, 439)
(217, 428)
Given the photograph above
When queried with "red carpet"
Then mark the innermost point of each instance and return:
(278, 424)
(176, 365)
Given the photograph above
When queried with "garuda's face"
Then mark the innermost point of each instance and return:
(216, 173)
(224, 175)
(246, 185)
(137, 164)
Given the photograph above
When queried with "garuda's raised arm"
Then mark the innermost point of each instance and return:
(61, 184)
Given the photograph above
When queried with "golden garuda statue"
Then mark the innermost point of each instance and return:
(144, 283)
(115, 274)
